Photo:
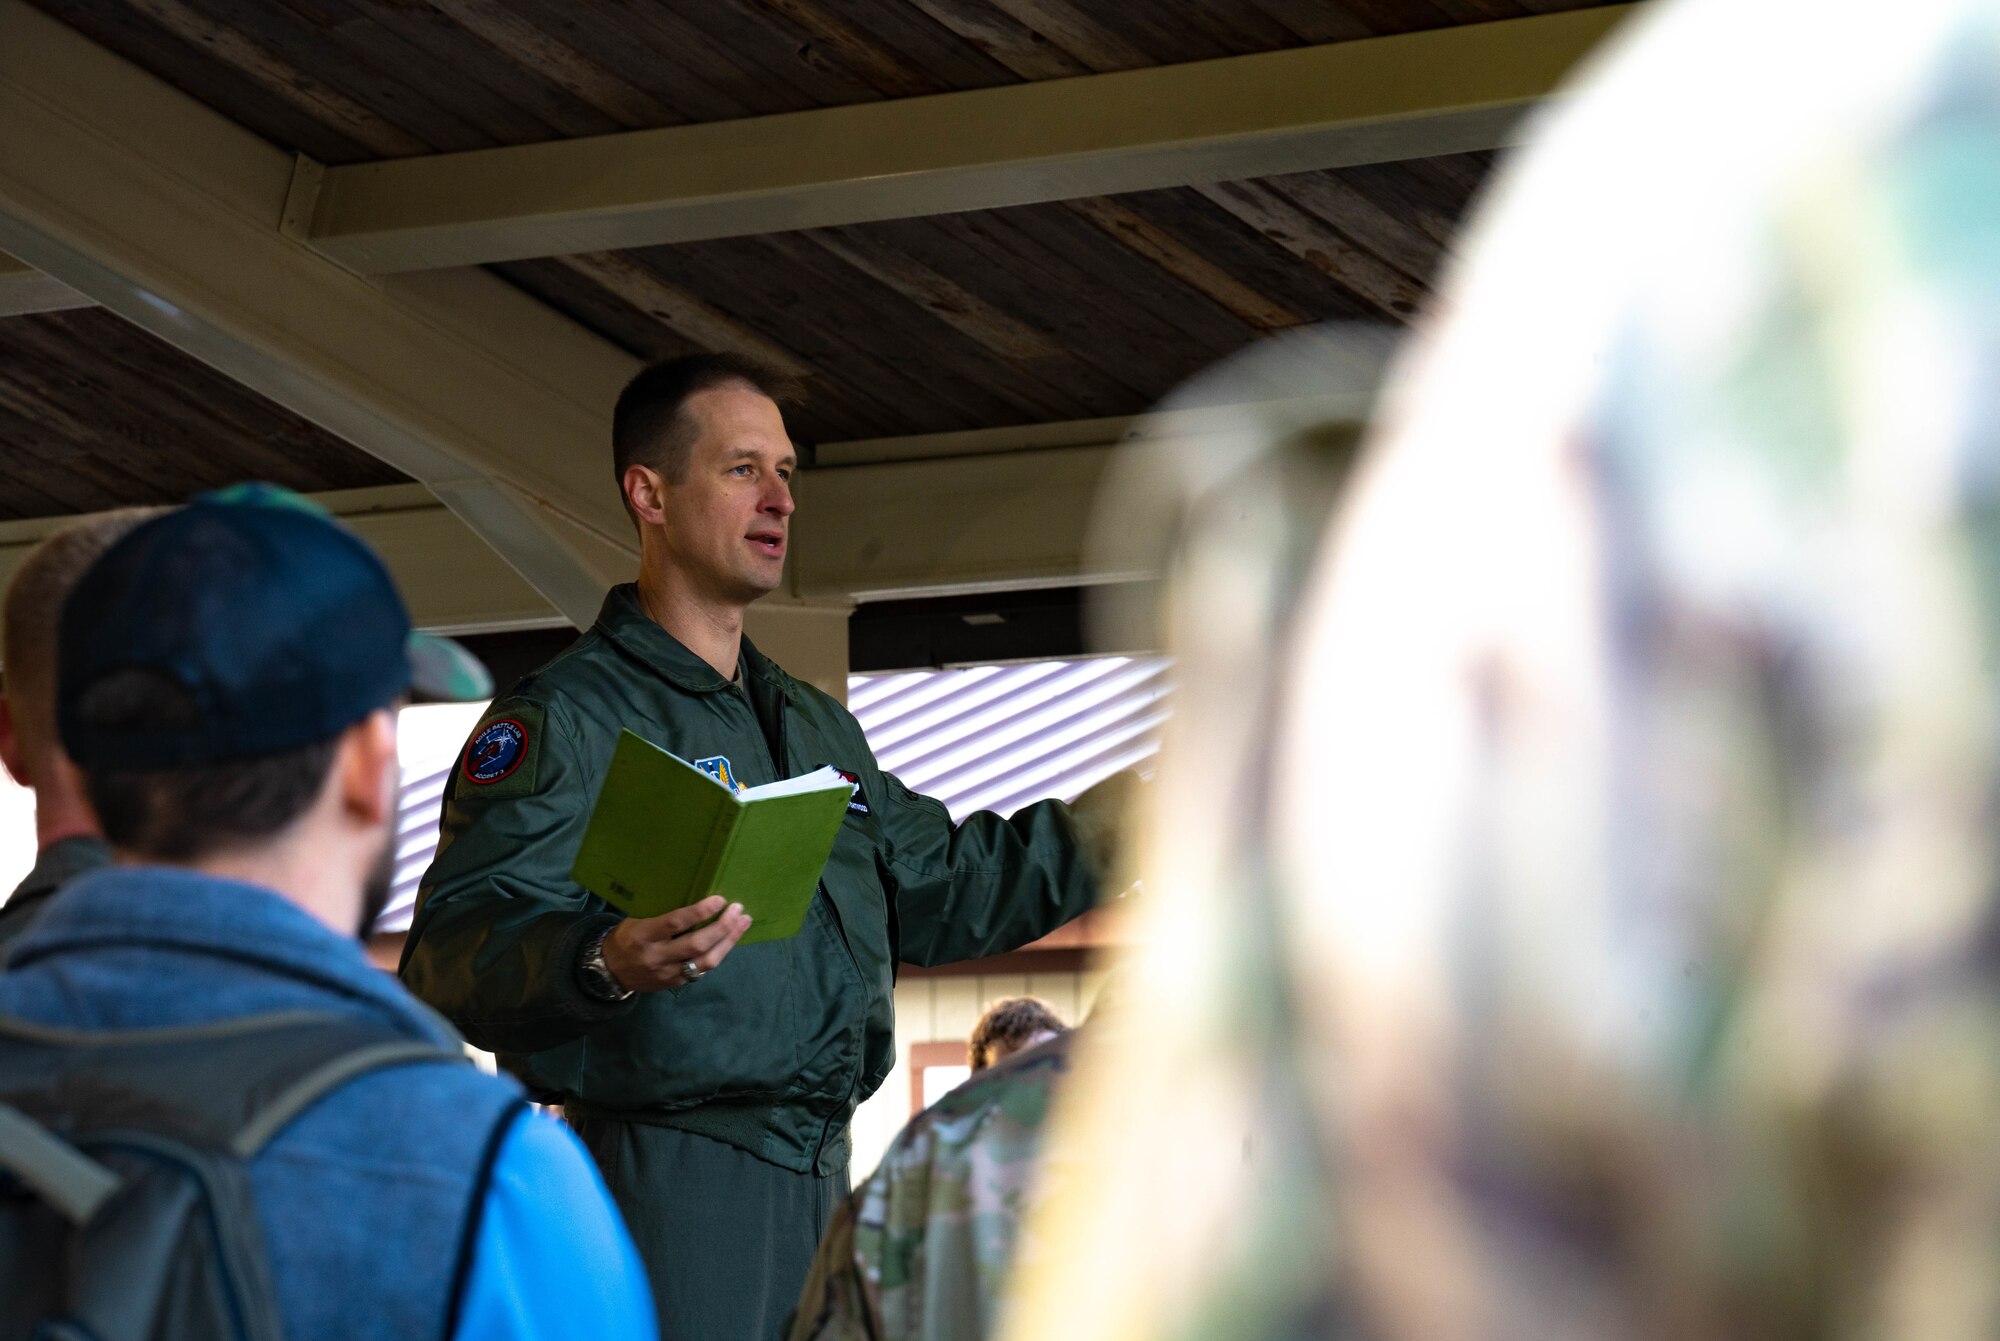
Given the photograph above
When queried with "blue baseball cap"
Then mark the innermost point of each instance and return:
(282, 626)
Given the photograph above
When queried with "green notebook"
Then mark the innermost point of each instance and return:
(664, 834)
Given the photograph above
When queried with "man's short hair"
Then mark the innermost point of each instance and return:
(1007, 1026)
(185, 814)
(648, 427)
(31, 612)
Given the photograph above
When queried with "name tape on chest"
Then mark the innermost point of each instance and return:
(857, 804)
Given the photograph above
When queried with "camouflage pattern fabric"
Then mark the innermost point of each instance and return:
(922, 1248)
(1593, 931)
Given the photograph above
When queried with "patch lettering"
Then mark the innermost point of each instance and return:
(717, 767)
(857, 804)
(495, 751)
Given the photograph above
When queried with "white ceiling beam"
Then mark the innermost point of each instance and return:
(454, 583)
(925, 515)
(898, 528)
(954, 524)
(948, 526)
(25, 291)
(451, 580)
(1004, 509)
(142, 199)
(1371, 101)
(1187, 420)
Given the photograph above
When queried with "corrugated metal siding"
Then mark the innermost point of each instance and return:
(429, 739)
(416, 841)
(1000, 737)
(982, 738)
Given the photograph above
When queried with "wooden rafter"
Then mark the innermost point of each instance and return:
(25, 290)
(1339, 104)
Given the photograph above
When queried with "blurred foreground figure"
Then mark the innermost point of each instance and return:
(1598, 938)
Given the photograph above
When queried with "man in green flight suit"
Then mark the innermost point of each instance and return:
(715, 1096)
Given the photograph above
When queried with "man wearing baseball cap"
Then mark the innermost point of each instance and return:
(228, 680)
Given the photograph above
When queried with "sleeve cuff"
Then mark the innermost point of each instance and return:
(570, 992)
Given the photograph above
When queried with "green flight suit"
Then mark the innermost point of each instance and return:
(768, 1055)
(55, 866)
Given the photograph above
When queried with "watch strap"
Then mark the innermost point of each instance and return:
(594, 975)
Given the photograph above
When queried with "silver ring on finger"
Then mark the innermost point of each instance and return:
(691, 971)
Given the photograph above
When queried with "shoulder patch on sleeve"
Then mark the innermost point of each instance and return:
(500, 758)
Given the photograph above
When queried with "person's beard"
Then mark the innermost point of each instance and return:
(375, 889)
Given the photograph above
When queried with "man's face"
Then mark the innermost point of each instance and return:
(727, 522)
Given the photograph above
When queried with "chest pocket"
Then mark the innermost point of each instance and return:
(856, 881)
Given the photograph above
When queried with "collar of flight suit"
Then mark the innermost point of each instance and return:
(625, 622)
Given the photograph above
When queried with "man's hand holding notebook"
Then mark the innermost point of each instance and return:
(665, 836)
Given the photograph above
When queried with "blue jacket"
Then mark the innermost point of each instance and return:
(417, 1202)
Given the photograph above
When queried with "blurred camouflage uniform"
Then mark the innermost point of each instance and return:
(1590, 928)
(921, 1249)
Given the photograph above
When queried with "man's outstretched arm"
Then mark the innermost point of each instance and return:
(990, 885)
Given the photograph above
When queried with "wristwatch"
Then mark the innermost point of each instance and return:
(594, 976)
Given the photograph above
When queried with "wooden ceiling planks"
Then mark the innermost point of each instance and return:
(1079, 309)
(652, 47)
(1173, 255)
(1316, 241)
(351, 80)
(621, 103)
(1247, 256)
(1001, 38)
(95, 413)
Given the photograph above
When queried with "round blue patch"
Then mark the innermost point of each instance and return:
(496, 751)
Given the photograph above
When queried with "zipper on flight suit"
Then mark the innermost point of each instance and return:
(772, 703)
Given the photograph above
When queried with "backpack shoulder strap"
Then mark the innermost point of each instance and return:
(231, 1085)
(330, 1075)
(55, 1170)
(142, 1142)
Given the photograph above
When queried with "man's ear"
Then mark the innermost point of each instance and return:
(646, 493)
(366, 766)
(10, 745)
